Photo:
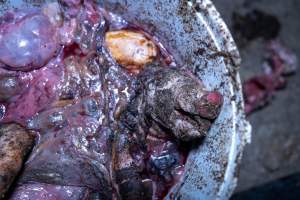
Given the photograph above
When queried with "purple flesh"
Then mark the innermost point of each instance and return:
(103, 132)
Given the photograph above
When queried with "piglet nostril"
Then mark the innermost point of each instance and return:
(214, 98)
(210, 105)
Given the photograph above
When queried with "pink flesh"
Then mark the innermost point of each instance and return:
(40, 91)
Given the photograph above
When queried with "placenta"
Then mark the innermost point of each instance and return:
(110, 109)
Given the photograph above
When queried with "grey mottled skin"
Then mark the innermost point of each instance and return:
(174, 100)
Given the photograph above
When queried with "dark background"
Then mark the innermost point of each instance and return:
(271, 162)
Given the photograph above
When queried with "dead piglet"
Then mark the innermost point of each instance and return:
(176, 101)
(15, 144)
(167, 101)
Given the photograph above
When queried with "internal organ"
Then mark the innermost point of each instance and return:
(102, 130)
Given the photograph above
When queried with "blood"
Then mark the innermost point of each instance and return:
(279, 63)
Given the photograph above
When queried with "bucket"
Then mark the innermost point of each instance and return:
(195, 33)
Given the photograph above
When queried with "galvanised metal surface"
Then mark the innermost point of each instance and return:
(195, 33)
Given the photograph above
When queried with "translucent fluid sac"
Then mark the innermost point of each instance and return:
(27, 44)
